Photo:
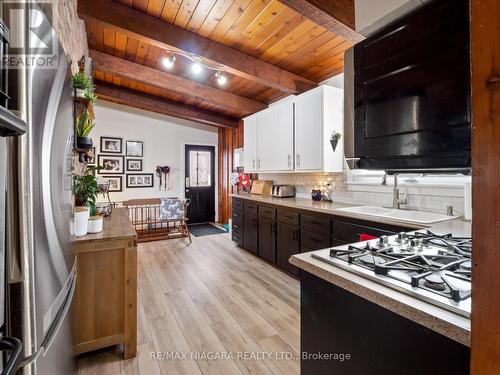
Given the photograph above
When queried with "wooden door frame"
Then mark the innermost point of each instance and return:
(216, 171)
(485, 61)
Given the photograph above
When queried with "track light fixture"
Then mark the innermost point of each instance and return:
(169, 61)
(197, 66)
(221, 79)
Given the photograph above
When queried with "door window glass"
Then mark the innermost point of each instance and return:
(199, 168)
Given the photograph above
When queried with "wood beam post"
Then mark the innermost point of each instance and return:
(334, 15)
(485, 55)
(152, 77)
(136, 99)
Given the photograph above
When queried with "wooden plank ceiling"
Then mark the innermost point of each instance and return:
(269, 50)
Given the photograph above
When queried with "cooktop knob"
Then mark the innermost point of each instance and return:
(402, 237)
(383, 241)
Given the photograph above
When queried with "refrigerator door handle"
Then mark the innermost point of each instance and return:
(14, 345)
(56, 324)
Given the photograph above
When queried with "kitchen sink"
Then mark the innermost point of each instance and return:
(418, 217)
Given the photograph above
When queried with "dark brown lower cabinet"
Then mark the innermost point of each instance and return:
(313, 241)
(251, 232)
(288, 244)
(267, 239)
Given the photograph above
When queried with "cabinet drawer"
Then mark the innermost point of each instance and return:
(268, 212)
(237, 205)
(237, 217)
(289, 218)
(313, 241)
(237, 237)
(315, 224)
(350, 232)
(238, 225)
(251, 208)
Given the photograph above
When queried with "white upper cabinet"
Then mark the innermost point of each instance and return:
(275, 145)
(250, 131)
(282, 136)
(318, 113)
(309, 131)
(295, 134)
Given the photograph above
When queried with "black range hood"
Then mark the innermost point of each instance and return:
(411, 99)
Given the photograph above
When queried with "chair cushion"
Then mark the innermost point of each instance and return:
(172, 208)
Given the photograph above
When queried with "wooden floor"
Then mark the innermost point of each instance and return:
(210, 298)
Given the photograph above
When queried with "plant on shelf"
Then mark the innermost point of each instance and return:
(90, 96)
(83, 128)
(86, 189)
(82, 84)
(334, 140)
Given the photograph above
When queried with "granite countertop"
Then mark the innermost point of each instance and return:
(458, 227)
(440, 320)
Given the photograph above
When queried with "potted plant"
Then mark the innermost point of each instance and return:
(83, 127)
(85, 188)
(90, 96)
(81, 83)
(334, 140)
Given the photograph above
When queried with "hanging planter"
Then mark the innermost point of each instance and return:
(79, 93)
(84, 143)
(334, 140)
(83, 127)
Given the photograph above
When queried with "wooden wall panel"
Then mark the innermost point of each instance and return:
(229, 139)
(485, 43)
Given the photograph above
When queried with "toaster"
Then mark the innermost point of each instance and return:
(283, 191)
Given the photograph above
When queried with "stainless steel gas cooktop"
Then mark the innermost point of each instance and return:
(434, 268)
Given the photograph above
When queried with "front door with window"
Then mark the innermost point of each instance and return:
(200, 183)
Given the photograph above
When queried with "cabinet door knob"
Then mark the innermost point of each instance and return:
(253, 163)
(298, 160)
(289, 161)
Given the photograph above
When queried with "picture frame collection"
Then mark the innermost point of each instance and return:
(116, 163)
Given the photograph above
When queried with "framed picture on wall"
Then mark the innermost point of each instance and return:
(140, 180)
(115, 182)
(111, 164)
(134, 165)
(135, 148)
(111, 145)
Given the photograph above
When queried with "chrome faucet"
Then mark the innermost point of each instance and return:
(396, 200)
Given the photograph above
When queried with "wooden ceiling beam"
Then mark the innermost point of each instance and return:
(151, 103)
(334, 15)
(129, 70)
(164, 35)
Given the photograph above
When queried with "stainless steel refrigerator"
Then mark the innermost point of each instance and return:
(43, 162)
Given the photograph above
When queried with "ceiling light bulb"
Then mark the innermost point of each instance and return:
(196, 67)
(221, 79)
(169, 62)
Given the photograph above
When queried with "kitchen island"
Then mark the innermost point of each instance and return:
(382, 329)
(344, 314)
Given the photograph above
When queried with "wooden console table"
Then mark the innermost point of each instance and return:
(105, 303)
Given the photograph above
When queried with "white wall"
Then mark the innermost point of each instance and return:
(374, 14)
(164, 138)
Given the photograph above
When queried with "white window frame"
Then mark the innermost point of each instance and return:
(371, 180)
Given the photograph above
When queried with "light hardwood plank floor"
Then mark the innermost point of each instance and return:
(208, 297)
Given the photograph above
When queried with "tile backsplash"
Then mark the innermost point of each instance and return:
(424, 198)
